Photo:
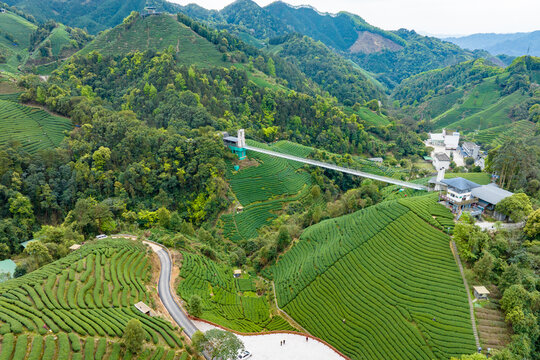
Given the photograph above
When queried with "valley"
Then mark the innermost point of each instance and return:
(179, 183)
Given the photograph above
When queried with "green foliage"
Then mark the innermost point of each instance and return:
(34, 129)
(134, 336)
(332, 72)
(532, 227)
(195, 307)
(156, 33)
(222, 344)
(517, 207)
(93, 299)
(224, 300)
(387, 254)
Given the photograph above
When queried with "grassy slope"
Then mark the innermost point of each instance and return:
(20, 29)
(157, 33)
(479, 178)
(35, 129)
(379, 283)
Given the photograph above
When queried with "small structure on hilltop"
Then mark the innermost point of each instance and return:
(149, 11)
(239, 209)
(74, 247)
(145, 309)
(237, 273)
(236, 144)
(450, 141)
(2, 10)
(480, 292)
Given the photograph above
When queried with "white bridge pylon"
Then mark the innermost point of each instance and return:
(334, 167)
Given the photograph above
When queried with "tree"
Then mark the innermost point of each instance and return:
(484, 266)
(532, 227)
(283, 239)
(39, 252)
(198, 340)
(516, 207)
(222, 344)
(134, 336)
(4, 251)
(195, 306)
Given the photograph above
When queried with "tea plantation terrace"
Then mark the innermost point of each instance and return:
(238, 146)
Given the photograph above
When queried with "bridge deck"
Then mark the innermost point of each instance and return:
(339, 168)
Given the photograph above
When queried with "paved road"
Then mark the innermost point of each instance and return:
(339, 168)
(167, 299)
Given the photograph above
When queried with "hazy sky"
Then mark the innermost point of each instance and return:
(426, 16)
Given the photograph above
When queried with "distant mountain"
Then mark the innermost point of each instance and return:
(516, 44)
(390, 55)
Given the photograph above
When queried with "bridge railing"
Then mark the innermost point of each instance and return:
(339, 168)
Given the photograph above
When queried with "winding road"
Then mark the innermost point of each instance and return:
(164, 291)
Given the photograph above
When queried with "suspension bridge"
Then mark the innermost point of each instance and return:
(239, 147)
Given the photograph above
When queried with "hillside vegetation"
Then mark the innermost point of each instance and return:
(391, 55)
(33, 128)
(25, 44)
(157, 33)
(485, 102)
(93, 16)
(379, 283)
(234, 303)
(81, 304)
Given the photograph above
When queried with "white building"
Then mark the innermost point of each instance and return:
(450, 141)
(470, 149)
(441, 161)
(459, 193)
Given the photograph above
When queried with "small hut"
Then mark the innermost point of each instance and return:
(239, 209)
(237, 273)
(145, 309)
(74, 247)
(480, 292)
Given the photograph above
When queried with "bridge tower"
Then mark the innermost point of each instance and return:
(237, 144)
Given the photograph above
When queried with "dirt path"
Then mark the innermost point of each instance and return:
(471, 305)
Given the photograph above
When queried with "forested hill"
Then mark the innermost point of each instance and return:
(486, 102)
(92, 15)
(25, 43)
(391, 55)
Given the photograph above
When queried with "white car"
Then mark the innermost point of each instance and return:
(244, 355)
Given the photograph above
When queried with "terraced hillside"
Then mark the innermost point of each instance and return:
(380, 283)
(263, 189)
(227, 301)
(14, 40)
(486, 103)
(33, 128)
(80, 305)
(157, 33)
